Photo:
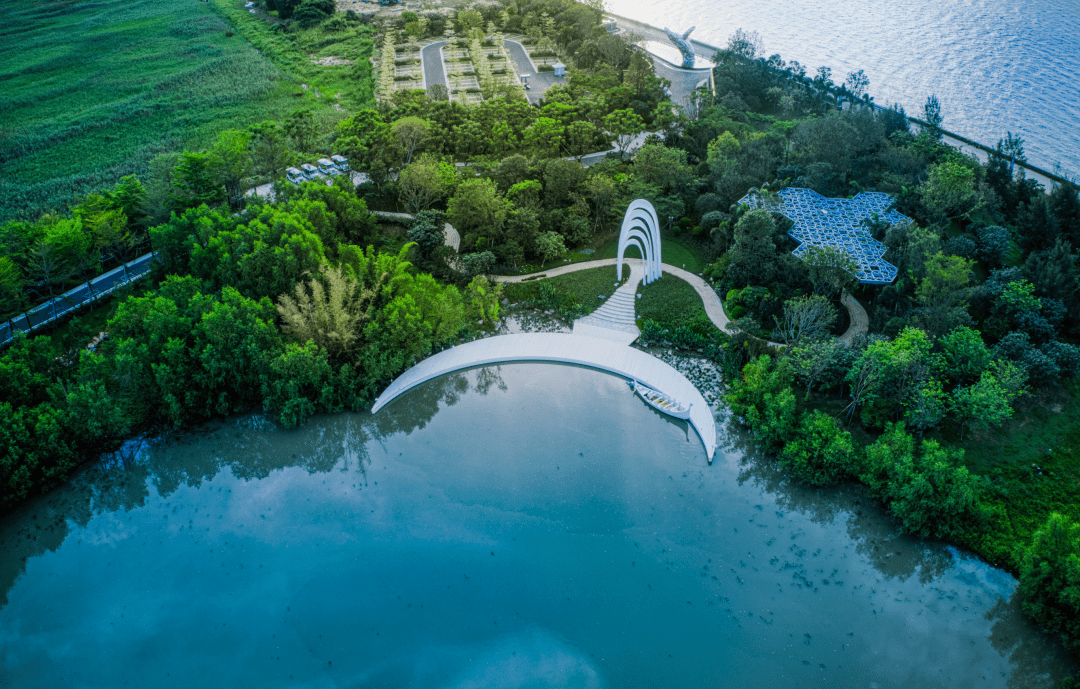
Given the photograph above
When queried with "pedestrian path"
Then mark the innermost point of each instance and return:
(616, 319)
(432, 67)
(714, 308)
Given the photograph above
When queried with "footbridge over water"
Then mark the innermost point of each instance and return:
(592, 352)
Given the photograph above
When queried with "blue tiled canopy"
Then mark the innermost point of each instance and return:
(837, 223)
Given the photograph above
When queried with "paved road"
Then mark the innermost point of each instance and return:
(539, 82)
(434, 70)
(453, 239)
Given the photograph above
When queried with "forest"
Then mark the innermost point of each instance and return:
(944, 410)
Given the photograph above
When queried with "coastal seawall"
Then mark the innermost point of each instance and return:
(979, 150)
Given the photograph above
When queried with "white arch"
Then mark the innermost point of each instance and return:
(592, 352)
(640, 223)
(637, 238)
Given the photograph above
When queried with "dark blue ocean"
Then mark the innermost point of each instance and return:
(996, 65)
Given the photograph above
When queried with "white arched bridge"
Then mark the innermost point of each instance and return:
(600, 341)
(592, 352)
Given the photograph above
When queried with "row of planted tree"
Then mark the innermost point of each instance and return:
(982, 319)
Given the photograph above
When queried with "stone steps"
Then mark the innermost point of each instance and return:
(615, 319)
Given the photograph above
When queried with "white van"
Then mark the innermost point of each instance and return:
(327, 167)
(310, 171)
(295, 176)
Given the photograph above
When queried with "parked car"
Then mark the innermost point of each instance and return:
(341, 162)
(310, 171)
(295, 176)
(327, 167)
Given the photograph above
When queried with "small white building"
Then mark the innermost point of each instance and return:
(560, 69)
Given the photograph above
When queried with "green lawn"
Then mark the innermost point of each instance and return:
(573, 295)
(93, 91)
(671, 302)
(672, 251)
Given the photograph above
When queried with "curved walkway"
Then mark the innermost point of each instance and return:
(600, 354)
(859, 322)
(714, 308)
(453, 239)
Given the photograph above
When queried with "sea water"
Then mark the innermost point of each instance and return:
(997, 66)
(528, 525)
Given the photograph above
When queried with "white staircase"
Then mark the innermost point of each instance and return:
(616, 319)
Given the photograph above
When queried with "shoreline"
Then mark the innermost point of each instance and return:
(1043, 176)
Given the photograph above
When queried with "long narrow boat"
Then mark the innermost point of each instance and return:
(659, 401)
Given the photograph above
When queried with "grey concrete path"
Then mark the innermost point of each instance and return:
(453, 239)
(539, 82)
(859, 323)
(431, 59)
(714, 308)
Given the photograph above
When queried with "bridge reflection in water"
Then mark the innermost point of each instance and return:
(592, 352)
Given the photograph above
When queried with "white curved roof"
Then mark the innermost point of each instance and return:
(592, 352)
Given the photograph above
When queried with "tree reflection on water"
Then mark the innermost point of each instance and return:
(251, 446)
(1037, 661)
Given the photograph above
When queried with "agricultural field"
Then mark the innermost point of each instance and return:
(94, 91)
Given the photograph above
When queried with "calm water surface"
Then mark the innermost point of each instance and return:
(516, 526)
(995, 65)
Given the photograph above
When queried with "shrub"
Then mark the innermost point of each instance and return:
(930, 493)
(821, 452)
(961, 245)
(764, 398)
(993, 245)
(1050, 579)
(712, 219)
(745, 301)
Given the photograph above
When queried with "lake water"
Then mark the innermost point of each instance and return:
(995, 65)
(519, 526)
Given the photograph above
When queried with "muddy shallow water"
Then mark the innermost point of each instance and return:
(528, 525)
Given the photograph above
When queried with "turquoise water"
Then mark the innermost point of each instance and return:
(995, 65)
(518, 526)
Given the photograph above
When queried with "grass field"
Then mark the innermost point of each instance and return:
(672, 251)
(573, 295)
(93, 91)
(330, 59)
(671, 302)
